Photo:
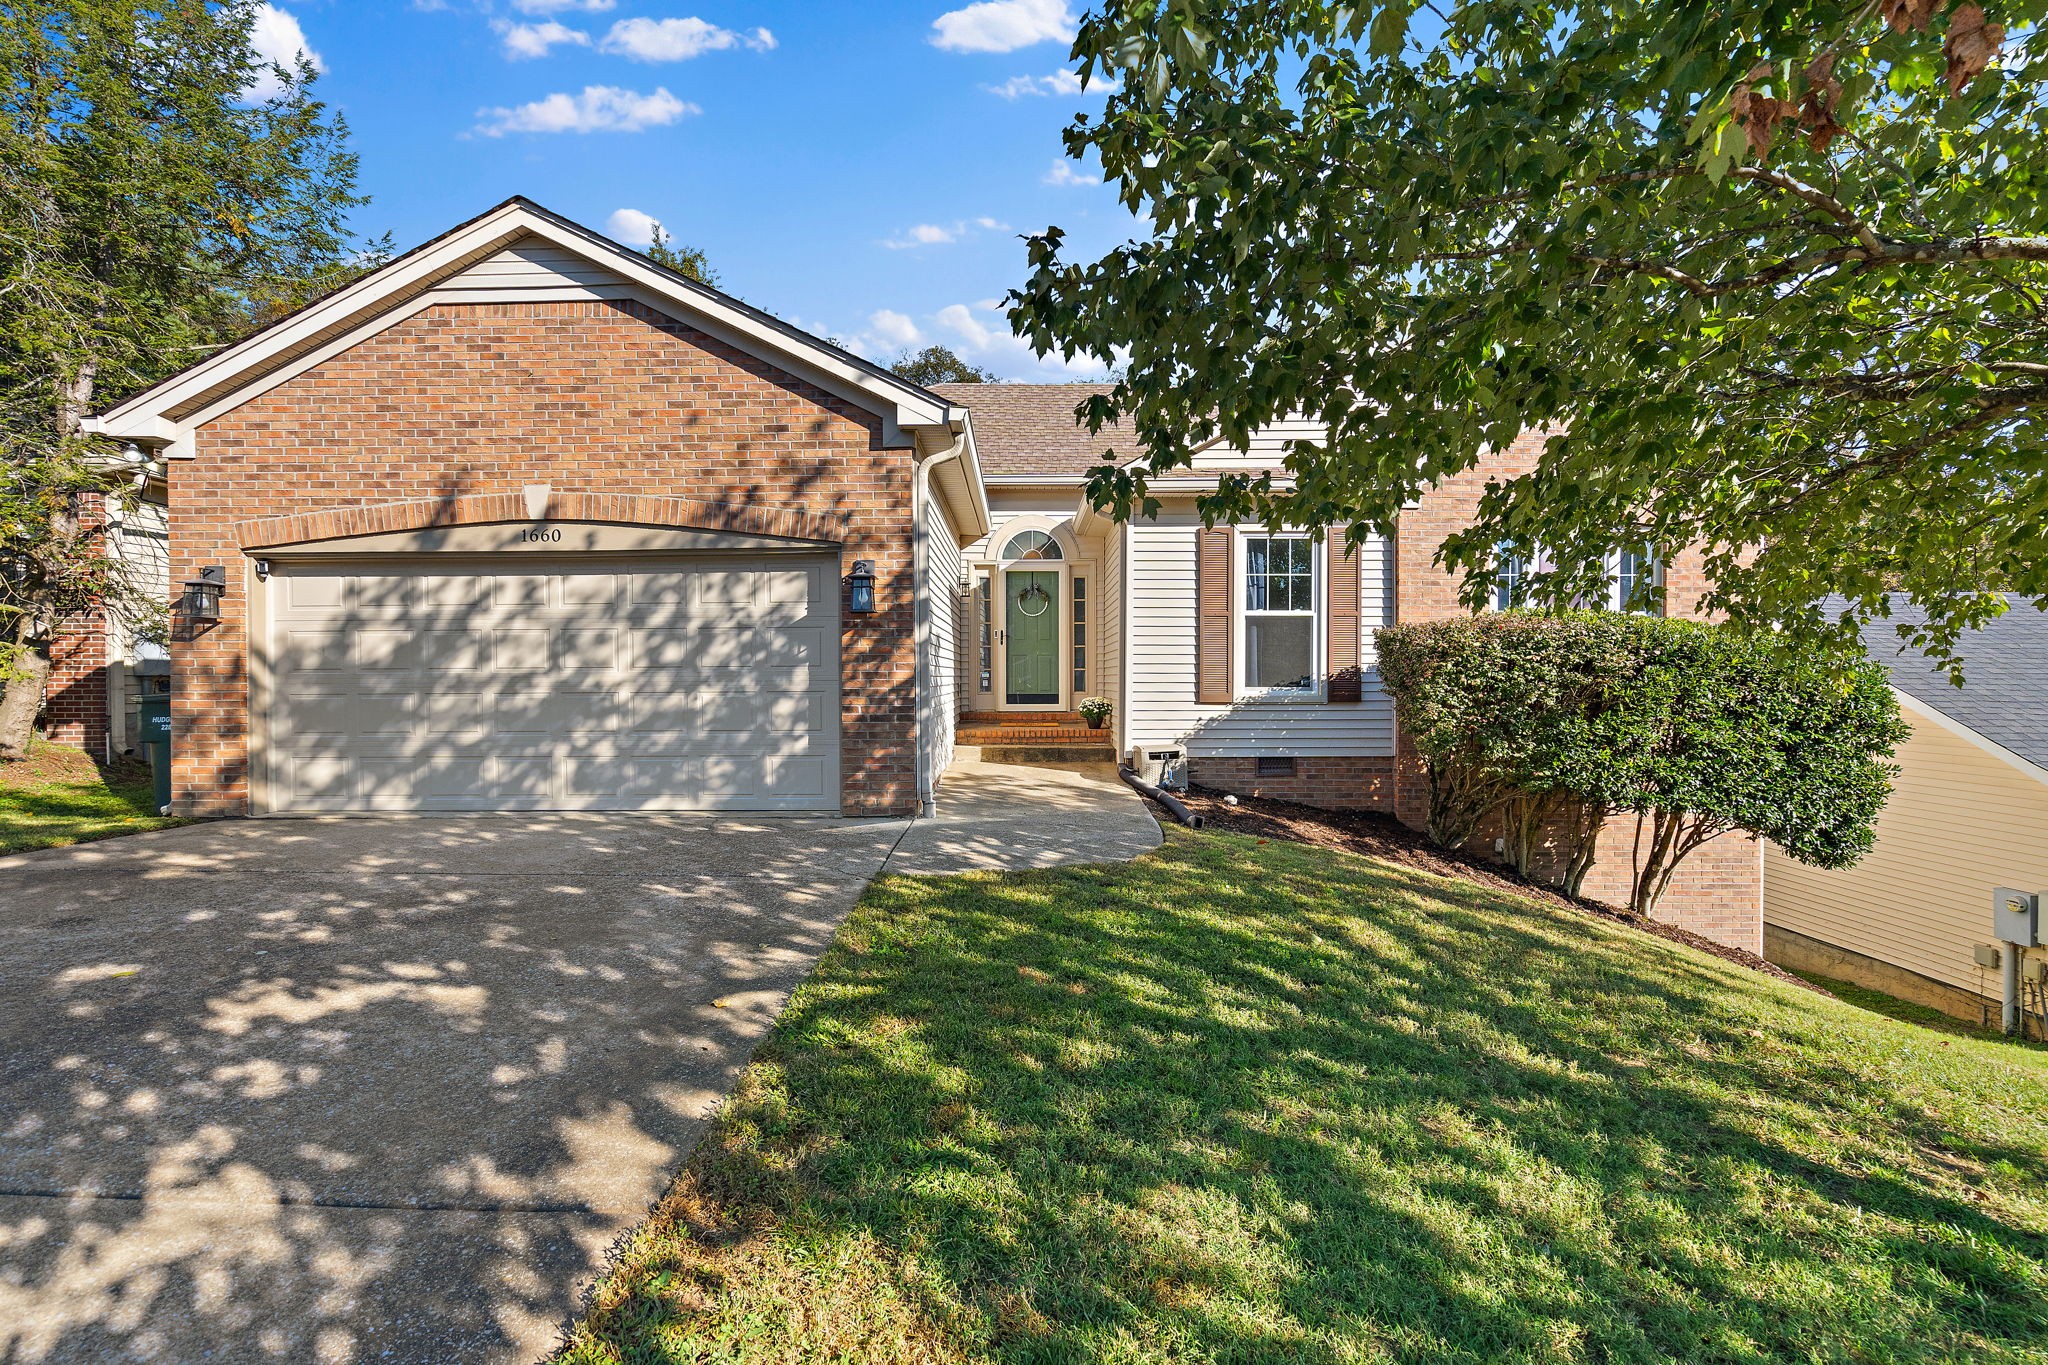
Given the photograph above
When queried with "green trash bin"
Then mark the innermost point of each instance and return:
(155, 724)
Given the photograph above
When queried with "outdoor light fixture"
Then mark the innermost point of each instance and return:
(860, 587)
(203, 594)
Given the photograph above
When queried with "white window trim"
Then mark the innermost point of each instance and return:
(1318, 610)
(1611, 569)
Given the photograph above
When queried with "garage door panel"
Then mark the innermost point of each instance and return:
(378, 594)
(670, 686)
(554, 713)
(753, 712)
(321, 781)
(454, 651)
(522, 590)
(589, 590)
(383, 650)
(521, 651)
(451, 590)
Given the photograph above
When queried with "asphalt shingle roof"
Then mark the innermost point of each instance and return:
(2004, 696)
(1027, 429)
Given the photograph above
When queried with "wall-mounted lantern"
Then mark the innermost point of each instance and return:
(203, 594)
(860, 587)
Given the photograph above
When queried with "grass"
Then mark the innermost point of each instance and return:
(1240, 1101)
(1926, 1016)
(57, 795)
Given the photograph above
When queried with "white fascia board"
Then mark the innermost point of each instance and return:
(1927, 712)
(1034, 481)
(906, 405)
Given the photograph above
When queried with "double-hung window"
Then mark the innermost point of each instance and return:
(1636, 582)
(1279, 613)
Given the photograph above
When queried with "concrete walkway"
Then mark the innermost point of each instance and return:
(1000, 817)
(386, 1089)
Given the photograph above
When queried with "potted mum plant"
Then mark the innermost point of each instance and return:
(1095, 710)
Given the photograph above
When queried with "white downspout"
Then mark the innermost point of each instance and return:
(920, 494)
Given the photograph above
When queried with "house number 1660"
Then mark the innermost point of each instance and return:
(537, 534)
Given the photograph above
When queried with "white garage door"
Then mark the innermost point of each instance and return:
(445, 685)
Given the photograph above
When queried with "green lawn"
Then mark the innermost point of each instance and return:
(57, 795)
(1241, 1101)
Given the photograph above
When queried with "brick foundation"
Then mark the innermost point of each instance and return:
(1326, 783)
(611, 404)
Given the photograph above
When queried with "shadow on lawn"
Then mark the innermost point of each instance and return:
(1235, 1109)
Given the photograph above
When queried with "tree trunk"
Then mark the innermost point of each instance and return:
(1590, 818)
(19, 702)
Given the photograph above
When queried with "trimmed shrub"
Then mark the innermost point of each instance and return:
(1555, 723)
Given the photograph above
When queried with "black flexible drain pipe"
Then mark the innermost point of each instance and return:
(1163, 797)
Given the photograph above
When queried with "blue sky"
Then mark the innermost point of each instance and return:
(862, 169)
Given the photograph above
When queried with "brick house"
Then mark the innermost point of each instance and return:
(523, 521)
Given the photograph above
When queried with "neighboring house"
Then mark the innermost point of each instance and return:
(1969, 815)
(524, 521)
(100, 662)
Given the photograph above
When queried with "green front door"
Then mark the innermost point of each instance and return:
(1031, 628)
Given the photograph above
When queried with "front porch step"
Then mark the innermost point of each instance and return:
(1030, 730)
(1037, 753)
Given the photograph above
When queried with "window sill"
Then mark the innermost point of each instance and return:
(1281, 696)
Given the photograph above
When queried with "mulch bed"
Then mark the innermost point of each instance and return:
(1382, 836)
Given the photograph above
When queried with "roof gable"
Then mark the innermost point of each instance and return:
(517, 248)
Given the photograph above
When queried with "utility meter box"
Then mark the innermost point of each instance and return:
(1161, 765)
(2016, 917)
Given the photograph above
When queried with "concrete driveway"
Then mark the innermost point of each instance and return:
(387, 1089)
(369, 1089)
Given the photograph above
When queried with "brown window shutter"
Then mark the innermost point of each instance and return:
(1212, 616)
(1347, 683)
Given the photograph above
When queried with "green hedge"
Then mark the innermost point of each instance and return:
(1553, 723)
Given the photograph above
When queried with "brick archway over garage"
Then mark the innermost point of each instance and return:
(419, 514)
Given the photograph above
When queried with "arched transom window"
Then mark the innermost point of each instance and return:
(1031, 545)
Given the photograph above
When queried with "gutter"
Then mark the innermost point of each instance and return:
(920, 556)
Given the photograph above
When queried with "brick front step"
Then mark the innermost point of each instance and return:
(1045, 753)
(1021, 718)
(1029, 734)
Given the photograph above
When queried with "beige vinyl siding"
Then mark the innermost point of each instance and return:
(1161, 663)
(1960, 823)
(941, 709)
(1108, 593)
(143, 545)
(1267, 448)
(528, 265)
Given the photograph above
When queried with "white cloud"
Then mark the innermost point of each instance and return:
(1003, 25)
(982, 336)
(1064, 174)
(939, 234)
(562, 6)
(677, 40)
(278, 41)
(1060, 82)
(526, 41)
(632, 227)
(599, 109)
(894, 329)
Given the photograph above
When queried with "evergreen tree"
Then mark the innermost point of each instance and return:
(162, 192)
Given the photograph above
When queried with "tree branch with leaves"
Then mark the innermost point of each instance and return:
(1771, 280)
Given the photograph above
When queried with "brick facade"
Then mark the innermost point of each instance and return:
(75, 694)
(1718, 891)
(450, 413)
